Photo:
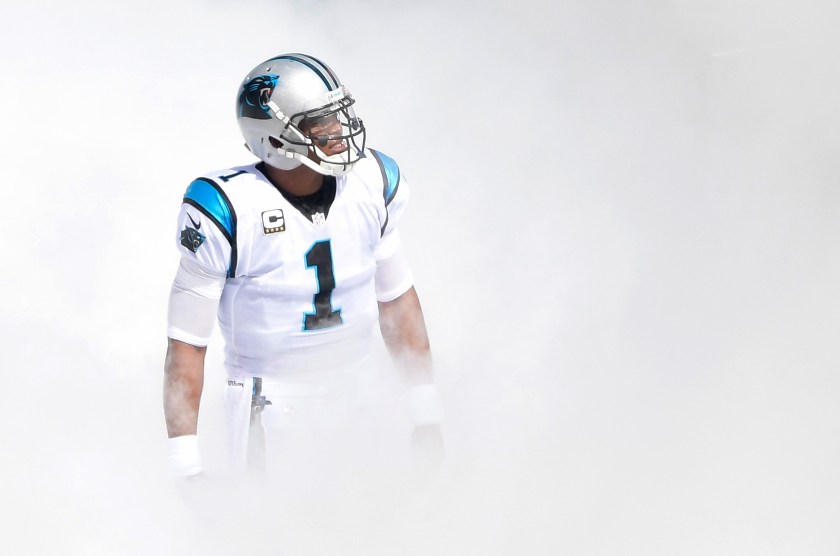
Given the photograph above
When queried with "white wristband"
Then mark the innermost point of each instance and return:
(426, 405)
(184, 457)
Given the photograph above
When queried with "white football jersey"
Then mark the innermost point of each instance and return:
(299, 294)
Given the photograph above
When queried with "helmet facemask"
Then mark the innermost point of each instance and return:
(328, 139)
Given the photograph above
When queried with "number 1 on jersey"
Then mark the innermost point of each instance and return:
(320, 257)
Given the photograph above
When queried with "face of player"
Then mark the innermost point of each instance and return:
(325, 132)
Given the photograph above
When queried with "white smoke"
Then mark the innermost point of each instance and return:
(623, 227)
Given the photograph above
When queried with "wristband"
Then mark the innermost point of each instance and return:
(426, 405)
(183, 455)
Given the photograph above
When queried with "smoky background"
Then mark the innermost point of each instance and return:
(623, 228)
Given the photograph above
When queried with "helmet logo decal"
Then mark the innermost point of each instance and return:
(253, 100)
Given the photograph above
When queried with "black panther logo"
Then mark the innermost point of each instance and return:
(253, 100)
(191, 238)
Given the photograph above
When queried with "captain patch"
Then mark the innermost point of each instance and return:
(273, 221)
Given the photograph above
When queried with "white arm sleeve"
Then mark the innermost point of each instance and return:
(393, 273)
(193, 302)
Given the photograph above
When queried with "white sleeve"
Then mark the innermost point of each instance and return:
(206, 230)
(396, 205)
(193, 302)
(393, 272)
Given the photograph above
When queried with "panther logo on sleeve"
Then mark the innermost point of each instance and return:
(191, 238)
(253, 100)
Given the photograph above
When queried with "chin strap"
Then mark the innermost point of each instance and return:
(325, 167)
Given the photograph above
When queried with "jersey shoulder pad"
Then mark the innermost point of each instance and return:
(209, 198)
(386, 172)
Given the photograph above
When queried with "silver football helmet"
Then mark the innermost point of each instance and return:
(293, 110)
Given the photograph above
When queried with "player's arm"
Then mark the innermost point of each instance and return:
(404, 331)
(183, 381)
(193, 301)
(401, 318)
(206, 238)
(402, 324)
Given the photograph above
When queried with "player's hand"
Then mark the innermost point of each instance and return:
(428, 451)
(206, 499)
(191, 482)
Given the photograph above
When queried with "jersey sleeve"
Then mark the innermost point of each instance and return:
(193, 301)
(207, 228)
(206, 239)
(395, 195)
(393, 272)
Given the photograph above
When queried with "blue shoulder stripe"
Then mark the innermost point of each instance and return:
(213, 202)
(209, 198)
(390, 175)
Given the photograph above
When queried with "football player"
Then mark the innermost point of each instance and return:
(298, 257)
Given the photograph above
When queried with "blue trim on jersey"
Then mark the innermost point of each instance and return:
(214, 203)
(390, 175)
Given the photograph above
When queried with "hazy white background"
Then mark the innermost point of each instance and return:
(624, 229)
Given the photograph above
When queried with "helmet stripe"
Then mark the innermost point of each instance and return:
(323, 66)
(327, 76)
